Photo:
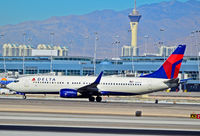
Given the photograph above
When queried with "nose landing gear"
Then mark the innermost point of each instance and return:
(24, 96)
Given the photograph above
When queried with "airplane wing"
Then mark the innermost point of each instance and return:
(87, 91)
(91, 88)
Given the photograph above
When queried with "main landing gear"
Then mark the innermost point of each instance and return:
(91, 99)
(98, 99)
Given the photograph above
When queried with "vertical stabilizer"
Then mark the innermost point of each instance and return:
(171, 66)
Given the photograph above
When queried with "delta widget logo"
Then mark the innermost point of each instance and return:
(3, 79)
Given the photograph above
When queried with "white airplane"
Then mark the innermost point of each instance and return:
(88, 87)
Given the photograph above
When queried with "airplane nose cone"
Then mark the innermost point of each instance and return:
(10, 86)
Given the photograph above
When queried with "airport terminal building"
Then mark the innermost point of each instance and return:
(82, 66)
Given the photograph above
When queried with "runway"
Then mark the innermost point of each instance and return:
(43, 116)
(105, 108)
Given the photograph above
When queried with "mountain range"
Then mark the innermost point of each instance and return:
(168, 22)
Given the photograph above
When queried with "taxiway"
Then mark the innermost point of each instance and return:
(81, 117)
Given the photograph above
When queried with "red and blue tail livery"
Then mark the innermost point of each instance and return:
(171, 67)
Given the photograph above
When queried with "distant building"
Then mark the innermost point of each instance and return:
(47, 50)
(134, 21)
(167, 50)
(27, 50)
(16, 50)
(38, 52)
(129, 51)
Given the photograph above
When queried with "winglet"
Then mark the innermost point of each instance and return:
(97, 81)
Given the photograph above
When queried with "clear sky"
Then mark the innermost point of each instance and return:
(16, 11)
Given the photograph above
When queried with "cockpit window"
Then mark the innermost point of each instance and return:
(16, 81)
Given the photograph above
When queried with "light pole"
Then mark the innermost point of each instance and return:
(116, 46)
(29, 50)
(162, 42)
(146, 41)
(95, 51)
(113, 52)
(162, 31)
(117, 42)
(85, 46)
(195, 34)
(29, 41)
(131, 52)
(4, 60)
(24, 34)
(52, 38)
(70, 45)
(133, 68)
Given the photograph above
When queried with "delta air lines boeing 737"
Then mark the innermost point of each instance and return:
(95, 87)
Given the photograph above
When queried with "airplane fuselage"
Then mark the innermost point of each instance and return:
(117, 85)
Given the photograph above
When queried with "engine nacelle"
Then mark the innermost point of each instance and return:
(68, 93)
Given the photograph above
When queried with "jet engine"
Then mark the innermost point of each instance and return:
(68, 93)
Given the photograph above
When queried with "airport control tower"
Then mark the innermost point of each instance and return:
(134, 20)
(132, 50)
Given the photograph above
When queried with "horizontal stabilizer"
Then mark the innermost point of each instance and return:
(185, 80)
(175, 80)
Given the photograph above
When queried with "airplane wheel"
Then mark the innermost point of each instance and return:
(98, 99)
(24, 97)
(91, 99)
